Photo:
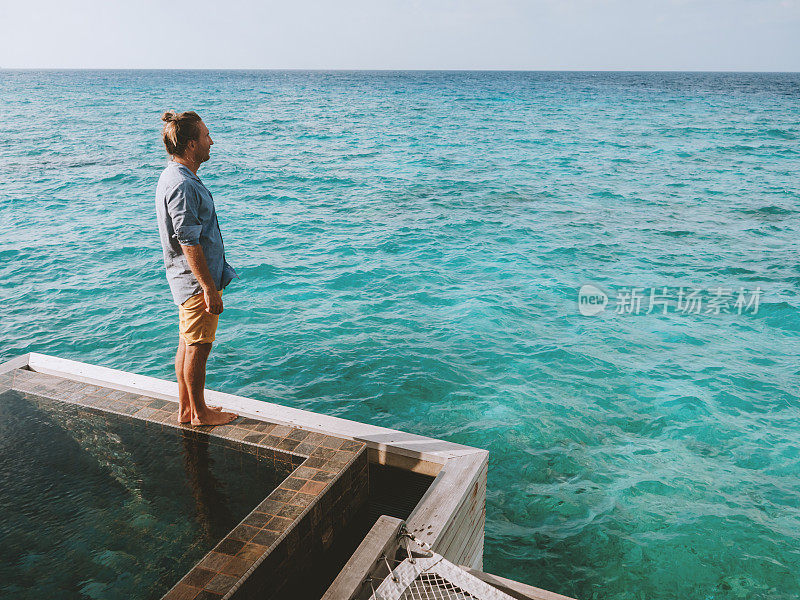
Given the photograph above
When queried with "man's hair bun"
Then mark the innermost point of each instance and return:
(179, 130)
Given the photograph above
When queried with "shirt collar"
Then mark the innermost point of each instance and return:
(185, 169)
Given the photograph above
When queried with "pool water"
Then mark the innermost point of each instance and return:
(97, 505)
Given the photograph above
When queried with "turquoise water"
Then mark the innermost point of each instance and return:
(411, 246)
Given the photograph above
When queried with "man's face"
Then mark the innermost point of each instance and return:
(203, 143)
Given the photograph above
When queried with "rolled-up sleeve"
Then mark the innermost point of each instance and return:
(182, 206)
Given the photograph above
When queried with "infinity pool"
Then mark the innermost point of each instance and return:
(98, 505)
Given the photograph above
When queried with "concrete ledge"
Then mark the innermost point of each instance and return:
(18, 362)
(416, 447)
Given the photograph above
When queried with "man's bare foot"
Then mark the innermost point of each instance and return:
(214, 417)
(185, 415)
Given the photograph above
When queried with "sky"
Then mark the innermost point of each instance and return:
(705, 35)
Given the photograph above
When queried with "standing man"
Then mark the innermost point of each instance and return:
(194, 258)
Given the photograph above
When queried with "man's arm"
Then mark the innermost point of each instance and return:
(182, 205)
(197, 262)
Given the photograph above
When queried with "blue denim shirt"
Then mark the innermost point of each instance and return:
(186, 215)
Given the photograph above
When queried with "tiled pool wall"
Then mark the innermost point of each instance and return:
(293, 568)
(277, 550)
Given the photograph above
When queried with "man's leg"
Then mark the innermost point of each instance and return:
(184, 407)
(184, 411)
(194, 373)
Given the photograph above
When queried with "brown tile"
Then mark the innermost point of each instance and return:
(221, 583)
(287, 444)
(257, 519)
(298, 434)
(163, 416)
(206, 595)
(282, 495)
(229, 546)
(313, 487)
(301, 499)
(222, 430)
(339, 461)
(84, 400)
(271, 440)
(315, 463)
(181, 592)
(269, 506)
(281, 431)
(324, 453)
(254, 438)
(73, 386)
(214, 561)
(331, 467)
(198, 577)
(304, 448)
(266, 537)
(304, 472)
(90, 389)
(265, 427)
(141, 400)
(237, 566)
(249, 423)
(265, 454)
(145, 413)
(349, 454)
(332, 442)
(238, 433)
(278, 524)
(252, 551)
(291, 511)
(243, 532)
(324, 476)
(351, 445)
(293, 483)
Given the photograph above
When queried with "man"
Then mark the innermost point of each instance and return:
(194, 258)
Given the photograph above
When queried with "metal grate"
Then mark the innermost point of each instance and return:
(430, 586)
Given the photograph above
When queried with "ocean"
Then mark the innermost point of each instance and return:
(411, 249)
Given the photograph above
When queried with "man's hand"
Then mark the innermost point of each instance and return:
(199, 266)
(213, 300)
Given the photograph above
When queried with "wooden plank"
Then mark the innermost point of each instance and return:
(470, 527)
(460, 532)
(451, 487)
(515, 589)
(457, 533)
(381, 540)
(475, 555)
(407, 463)
(434, 514)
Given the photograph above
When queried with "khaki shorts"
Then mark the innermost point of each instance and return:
(195, 325)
